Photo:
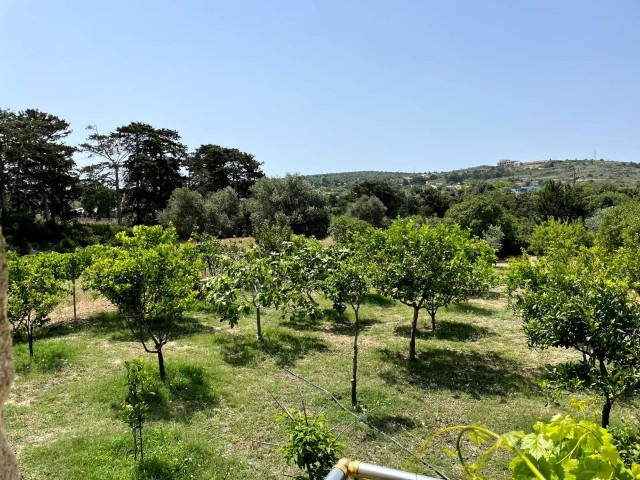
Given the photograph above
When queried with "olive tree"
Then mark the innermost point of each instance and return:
(33, 291)
(429, 267)
(151, 280)
(581, 303)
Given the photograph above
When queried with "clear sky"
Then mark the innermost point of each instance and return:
(313, 86)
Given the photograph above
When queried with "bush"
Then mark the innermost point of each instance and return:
(343, 228)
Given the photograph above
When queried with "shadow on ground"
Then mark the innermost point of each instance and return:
(345, 326)
(447, 330)
(471, 309)
(389, 423)
(287, 348)
(478, 374)
(113, 325)
(378, 300)
(186, 390)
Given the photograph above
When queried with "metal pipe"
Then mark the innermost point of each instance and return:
(367, 471)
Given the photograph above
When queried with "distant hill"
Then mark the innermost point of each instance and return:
(621, 173)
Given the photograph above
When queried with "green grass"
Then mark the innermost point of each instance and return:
(214, 417)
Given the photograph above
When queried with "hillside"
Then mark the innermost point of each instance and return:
(626, 173)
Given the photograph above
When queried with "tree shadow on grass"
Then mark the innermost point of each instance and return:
(389, 423)
(378, 300)
(185, 391)
(289, 348)
(447, 330)
(305, 323)
(474, 373)
(472, 309)
(113, 325)
(346, 326)
(237, 349)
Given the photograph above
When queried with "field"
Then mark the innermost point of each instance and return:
(215, 418)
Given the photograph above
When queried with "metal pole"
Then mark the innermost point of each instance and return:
(367, 471)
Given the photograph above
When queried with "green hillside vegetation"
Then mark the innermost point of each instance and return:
(530, 173)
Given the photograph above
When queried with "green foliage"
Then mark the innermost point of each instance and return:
(559, 200)
(151, 280)
(618, 225)
(270, 236)
(38, 170)
(344, 228)
(249, 280)
(563, 448)
(97, 200)
(565, 238)
(348, 283)
(33, 291)
(429, 267)
(479, 213)
(152, 169)
(214, 168)
(185, 211)
(627, 440)
(312, 447)
(494, 236)
(303, 205)
(223, 213)
(368, 208)
(581, 303)
(134, 408)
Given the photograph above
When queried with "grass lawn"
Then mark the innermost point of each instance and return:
(215, 418)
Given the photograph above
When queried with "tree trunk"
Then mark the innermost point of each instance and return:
(47, 214)
(354, 377)
(75, 313)
(606, 411)
(414, 329)
(160, 363)
(118, 196)
(141, 445)
(135, 444)
(258, 325)
(606, 408)
(30, 337)
(432, 314)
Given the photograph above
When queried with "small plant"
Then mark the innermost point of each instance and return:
(312, 447)
(134, 407)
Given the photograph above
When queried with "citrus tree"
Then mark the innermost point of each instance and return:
(428, 267)
(347, 283)
(151, 279)
(70, 266)
(581, 303)
(33, 291)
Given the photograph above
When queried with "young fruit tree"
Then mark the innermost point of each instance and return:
(427, 267)
(70, 267)
(581, 303)
(249, 280)
(152, 280)
(33, 291)
(347, 283)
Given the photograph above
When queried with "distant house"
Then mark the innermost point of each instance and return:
(509, 163)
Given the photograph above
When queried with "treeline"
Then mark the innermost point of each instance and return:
(145, 175)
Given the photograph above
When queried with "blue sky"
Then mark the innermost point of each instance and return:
(326, 86)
